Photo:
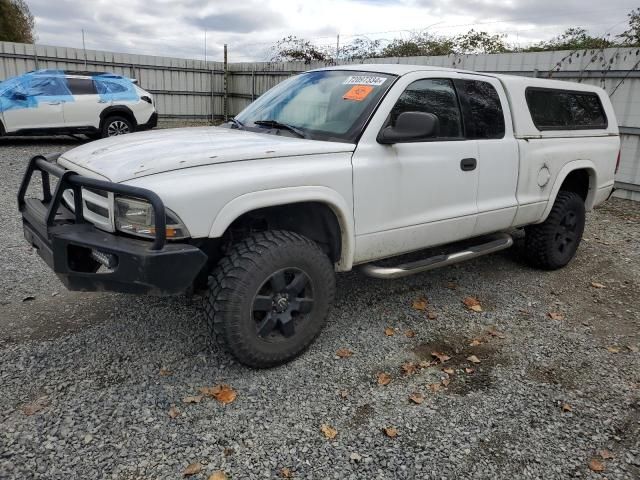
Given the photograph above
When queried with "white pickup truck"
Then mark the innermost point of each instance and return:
(331, 169)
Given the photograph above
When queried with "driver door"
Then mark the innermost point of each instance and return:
(409, 196)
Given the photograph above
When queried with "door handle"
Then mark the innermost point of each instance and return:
(468, 164)
(54, 103)
(102, 101)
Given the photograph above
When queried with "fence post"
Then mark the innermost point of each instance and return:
(225, 108)
(212, 97)
(253, 83)
(35, 56)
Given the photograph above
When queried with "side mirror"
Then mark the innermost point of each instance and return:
(18, 96)
(410, 127)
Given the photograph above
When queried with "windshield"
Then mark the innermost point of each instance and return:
(325, 105)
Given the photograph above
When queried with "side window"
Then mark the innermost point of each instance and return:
(481, 109)
(81, 86)
(436, 96)
(565, 110)
(47, 87)
(105, 87)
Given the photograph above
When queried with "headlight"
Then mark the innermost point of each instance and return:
(136, 218)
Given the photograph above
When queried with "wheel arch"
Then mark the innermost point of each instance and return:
(579, 176)
(118, 110)
(314, 211)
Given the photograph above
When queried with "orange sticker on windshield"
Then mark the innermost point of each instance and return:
(358, 92)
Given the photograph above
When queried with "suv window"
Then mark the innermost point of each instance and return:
(105, 87)
(47, 87)
(81, 86)
(553, 109)
(436, 96)
(481, 109)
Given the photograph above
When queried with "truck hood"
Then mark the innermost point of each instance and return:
(137, 155)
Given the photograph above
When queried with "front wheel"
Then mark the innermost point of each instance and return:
(269, 298)
(553, 243)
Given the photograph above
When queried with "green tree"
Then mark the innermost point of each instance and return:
(419, 44)
(480, 42)
(360, 48)
(572, 39)
(16, 22)
(295, 49)
(631, 37)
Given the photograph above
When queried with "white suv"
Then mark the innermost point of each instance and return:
(49, 102)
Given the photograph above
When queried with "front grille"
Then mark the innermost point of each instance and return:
(97, 207)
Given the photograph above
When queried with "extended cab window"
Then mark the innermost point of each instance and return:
(436, 96)
(553, 109)
(481, 108)
(47, 87)
(81, 86)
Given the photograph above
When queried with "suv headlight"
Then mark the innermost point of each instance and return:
(135, 217)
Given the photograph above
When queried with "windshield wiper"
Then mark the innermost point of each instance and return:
(280, 125)
(236, 123)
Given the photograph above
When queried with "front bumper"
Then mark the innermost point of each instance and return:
(72, 247)
(152, 123)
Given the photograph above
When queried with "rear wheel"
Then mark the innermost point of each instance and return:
(114, 126)
(268, 299)
(553, 243)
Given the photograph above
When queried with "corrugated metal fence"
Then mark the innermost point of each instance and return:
(194, 89)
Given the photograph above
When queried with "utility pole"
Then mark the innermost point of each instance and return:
(337, 48)
(84, 48)
(225, 108)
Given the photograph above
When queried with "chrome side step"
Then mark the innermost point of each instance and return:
(500, 241)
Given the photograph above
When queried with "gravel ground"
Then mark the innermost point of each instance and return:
(88, 380)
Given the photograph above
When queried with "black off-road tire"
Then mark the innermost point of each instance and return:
(240, 279)
(116, 123)
(552, 244)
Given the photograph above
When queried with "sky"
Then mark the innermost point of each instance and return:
(250, 27)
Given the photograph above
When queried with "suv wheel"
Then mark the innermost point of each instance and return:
(553, 243)
(269, 298)
(114, 126)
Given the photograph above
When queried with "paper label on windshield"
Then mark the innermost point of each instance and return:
(365, 80)
(358, 92)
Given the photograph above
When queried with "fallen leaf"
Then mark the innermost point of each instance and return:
(596, 465)
(222, 393)
(606, 454)
(416, 398)
(35, 406)
(28, 298)
(390, 432)
(410, 334)
(613, 349)
(441, 356)
(286, 472)
(420, 304)
(328, 431)
(165, 372)
(174, 412)
(446, 382)
(469, 371)
(344, 353)
(435, 387)
(228, 451)
(409, 368)
(496, 333)
(473, 359)
(426, 364)
(566, 407)
(473, 304)
(597, 285)
(389, 332)
(344, 393)
(384, 378)
(433, 315)
(193, 399)
(192, 469)
(449, 371)
(633, 348)
(475, 342)
(219, 475)
(452, 285)
(555, 316)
